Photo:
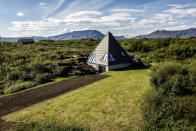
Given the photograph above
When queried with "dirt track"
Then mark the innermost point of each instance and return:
(21, 100)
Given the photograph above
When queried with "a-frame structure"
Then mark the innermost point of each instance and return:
(109, 55)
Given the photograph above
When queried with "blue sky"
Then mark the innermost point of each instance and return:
(122, 17)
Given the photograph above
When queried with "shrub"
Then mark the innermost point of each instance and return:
(160, 112)
(62, 70)
(26, 76)
(43, 78)
(19, 87)
(13, 76)
(1, 89)
(170, 79)
(138, 63)
(192, 70)
(75, 72)
(40, 68)
(84, 69)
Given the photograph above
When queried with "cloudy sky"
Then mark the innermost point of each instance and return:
(121, 17)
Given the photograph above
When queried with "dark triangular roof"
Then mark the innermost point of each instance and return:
(109, 52)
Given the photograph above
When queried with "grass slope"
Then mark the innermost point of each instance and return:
(109, 104)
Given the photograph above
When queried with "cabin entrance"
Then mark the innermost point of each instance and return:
(101, 68)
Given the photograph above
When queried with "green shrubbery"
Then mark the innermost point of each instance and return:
(14, 76)
(171, 79)
(26, 63)
(166, 106)
(161, 112)
(160, 49)
(41, 62)
(62, 71)
(192, 72)
(19, 87)
(43, 78)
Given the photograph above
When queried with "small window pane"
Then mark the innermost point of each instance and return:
(123, 54)
(92, 58)
(112, 58)
(105, 57)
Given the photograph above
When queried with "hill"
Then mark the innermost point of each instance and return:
(78, 35)
(75, 35)
(166, 34)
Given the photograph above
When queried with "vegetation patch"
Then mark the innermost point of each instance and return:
(19, 87)
(170, 104)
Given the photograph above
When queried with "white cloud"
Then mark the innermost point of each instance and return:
(20, 14)
(156, 21)
(80, 5)
(75, 21)
(116, 19)
(54, 8)
(84, 14)
(178, 6)
(42, 4)
(128, 10)
(180, 11)
(169, 19)
(178, 27)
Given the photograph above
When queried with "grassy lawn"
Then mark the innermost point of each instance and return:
(109, 104)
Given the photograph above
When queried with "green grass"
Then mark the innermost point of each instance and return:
(109, 104)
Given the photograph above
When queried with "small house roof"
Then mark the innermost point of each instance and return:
(109, 52)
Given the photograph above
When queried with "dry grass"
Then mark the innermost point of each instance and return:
(110, 104)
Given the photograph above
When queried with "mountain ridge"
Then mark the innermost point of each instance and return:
(74, 35)
(191, 32)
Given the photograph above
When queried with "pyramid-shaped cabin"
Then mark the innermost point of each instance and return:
(109, 55)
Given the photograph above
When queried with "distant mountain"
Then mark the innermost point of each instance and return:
(16, 39)
(70, 36)
(9, 39)
(78, 35)
(75, 35)
(165, 34)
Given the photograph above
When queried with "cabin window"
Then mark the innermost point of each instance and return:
(92, 58)
(111, 58)
(123, 54)
(105, 57)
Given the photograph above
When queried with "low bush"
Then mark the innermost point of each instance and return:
(167, 106)
(161, 112)
(1, 89)
(26, 76)
(171, 79)
(62, 71)
(19, 87)
(138, 63)
(40, 68)
(43, 78)
(75, 72)
(83, 69)
(192, 70)
(14, 76)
